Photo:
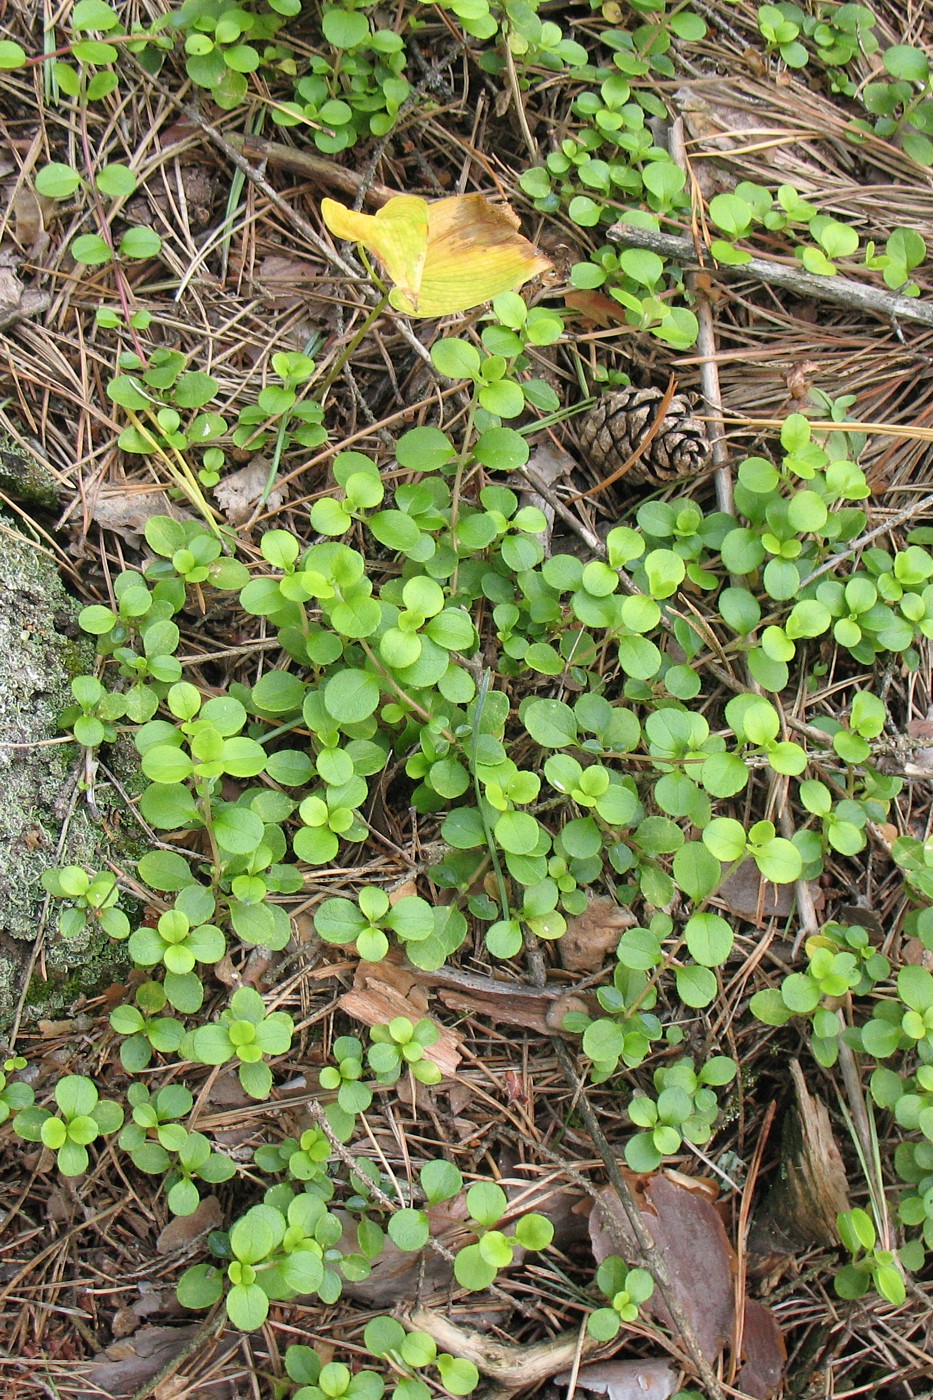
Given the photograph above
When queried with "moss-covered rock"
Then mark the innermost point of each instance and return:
(45, 816)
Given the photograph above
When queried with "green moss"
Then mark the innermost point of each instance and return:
(104, 962)
(22, 477)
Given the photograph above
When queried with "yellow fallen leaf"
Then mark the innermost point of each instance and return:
(445, 256)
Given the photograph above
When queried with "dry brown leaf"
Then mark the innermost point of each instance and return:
(124, 1323)
(255, 973)
(799, 378)
(125, 511)
(51, 1030)
(18, 302)
(182, 1230)
(860, 914)
(240, 491)
(649, 1379)
(690, 1237)
(225, 972)
(744, 894)
(286, 281)
(507, 1003)
(593, 935)
(915, 954)
(595, 307)
(919, 762)
(764, 1353)
(398, 1276)
(511, 1003)
(29, 215)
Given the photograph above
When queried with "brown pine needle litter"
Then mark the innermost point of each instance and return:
(744, 1303)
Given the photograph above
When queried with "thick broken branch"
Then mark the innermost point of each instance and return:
(842, 291)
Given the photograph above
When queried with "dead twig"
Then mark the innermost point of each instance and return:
(841, 291)
(313, 167)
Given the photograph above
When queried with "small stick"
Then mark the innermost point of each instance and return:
(317, 168)
(840, 290)
(706, 344)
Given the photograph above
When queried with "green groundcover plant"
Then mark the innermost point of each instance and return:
(559, 721)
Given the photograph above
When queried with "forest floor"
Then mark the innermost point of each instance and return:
(744, 1218)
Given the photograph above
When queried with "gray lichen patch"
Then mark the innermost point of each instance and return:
(40, 790)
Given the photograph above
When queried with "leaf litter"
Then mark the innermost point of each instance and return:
(506, 1100)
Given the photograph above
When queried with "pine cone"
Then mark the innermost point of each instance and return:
(613, 430)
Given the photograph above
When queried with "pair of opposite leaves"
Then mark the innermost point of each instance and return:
(445, 256)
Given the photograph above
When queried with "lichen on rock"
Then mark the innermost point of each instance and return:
(45, 819)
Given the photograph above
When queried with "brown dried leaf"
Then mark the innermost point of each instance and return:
(182, 1230)
(915, 954)
(595, 307)
(16, 301)
(239, 492)
(764, 1353)
(399, 1277)
(256, 971)
(225, 972)
(593, 935)
(125, 511)
(690, 1237)
(799, 378)
(506, 1003)
(744, 894)
(29, 214)
(286, 281)
(919, 762)
(51, 1030)
(648, 1379)
(124, 1323)
(859, 913)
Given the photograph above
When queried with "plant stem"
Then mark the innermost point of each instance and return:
(368, 322)
(493, 852)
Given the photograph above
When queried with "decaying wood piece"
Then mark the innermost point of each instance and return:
(512, 1367)
(594, 935)
(510, 1003)
(802, 1206)
(382, 991)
